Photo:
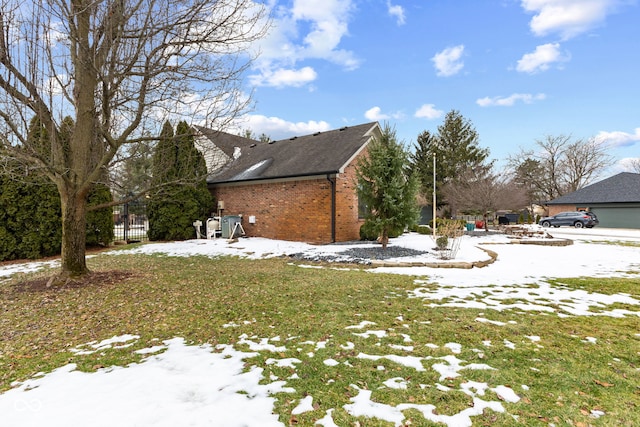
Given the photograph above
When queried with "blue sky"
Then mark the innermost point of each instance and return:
(519, 70)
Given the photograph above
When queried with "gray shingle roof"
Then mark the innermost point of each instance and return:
(621, 188)
(318, 154)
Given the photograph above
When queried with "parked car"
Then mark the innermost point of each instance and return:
(595, 218)
(574, 219)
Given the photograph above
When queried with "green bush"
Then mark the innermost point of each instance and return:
(367, 231)
(30, 225)
(30, 217)
(100, 222)
(423, 229)
(30, 222)
(442, 242)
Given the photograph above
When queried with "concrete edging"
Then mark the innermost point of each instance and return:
(477, 264)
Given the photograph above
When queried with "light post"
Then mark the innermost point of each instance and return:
(434, 197)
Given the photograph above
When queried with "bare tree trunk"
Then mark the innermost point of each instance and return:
(384, 238)
(74, 225)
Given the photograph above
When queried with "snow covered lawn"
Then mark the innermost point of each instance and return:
(459, 345)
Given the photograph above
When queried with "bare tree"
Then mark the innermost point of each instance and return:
(634, 165)
(118, 68)
(482, 190)
(583, 161)
(560, 166)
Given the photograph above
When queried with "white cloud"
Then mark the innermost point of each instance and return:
(282, 77)
(277, 128)
(376, 114)
(541, 59)
(429, 112)
(396, 11)
(568, 18)
(509, 101)
(448, 62)
(309, 29)
(618, 138)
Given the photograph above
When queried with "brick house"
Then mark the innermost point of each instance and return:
(615, 201)
(300, 189)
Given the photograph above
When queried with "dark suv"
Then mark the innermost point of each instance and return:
(574, 219)
(594, 217)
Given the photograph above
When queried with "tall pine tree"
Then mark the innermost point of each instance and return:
(456, 147)
(179, 176)
(30, 225)
(386, 187)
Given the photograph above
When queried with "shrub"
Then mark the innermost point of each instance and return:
(423, 229)
(448, 241)
(368, 230)
(100, 221)
(442, 242)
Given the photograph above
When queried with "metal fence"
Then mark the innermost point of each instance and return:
(131, 222)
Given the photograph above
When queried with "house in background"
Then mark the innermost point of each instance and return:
(299, 189)
(615, 201)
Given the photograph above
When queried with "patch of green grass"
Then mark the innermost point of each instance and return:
(578, 365)
(615, 242)
(607, 286)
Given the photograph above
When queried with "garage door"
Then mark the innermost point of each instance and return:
(618, 217)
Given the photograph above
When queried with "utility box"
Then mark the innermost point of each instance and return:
(213, 227)
(229, 225)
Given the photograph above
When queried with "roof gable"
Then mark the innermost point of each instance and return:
(226, 141)
(621, 188)
(320, 153)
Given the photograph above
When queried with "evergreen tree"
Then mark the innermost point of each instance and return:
(30, 219)
(100, 221)
(37, 219)
(159, 208)
(422, 165)
(386, 187)
(30, 224)
(179, 173)
(456, 149)
(132, 175)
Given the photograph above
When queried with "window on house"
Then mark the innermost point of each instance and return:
(363, 209)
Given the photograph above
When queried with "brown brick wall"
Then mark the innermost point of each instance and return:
(347, 222)
(295, 210)
(556, 209)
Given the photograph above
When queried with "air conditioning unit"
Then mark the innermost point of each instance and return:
(229, 228)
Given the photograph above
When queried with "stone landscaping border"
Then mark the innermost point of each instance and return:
(477, 264)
